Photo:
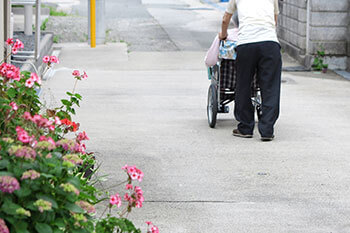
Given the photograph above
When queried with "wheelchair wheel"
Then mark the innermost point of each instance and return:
(212, 106)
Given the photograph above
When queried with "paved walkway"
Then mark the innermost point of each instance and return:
(149, 109)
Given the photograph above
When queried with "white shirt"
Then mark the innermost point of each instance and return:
(256, 20)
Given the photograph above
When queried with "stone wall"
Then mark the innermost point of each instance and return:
(328, 27)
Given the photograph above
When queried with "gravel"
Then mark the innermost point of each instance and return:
(68, 28)
(141, 34)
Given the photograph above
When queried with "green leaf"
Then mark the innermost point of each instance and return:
(9, 207)
(68, 93)
(46, 175)
(21, 227)
(78, 96)
(59, 222)
(78, 231)
(23, 192)
(11, 92)
(66, 102)
(43, 228)
(6, 174)
(3, 163)
(74, 208)
(129, 225)
(58, 231)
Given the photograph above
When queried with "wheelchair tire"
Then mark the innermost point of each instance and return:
(212, 106)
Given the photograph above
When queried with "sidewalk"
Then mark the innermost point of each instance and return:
(149, 109)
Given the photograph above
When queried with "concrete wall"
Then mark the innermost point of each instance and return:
(2, 37)
(328, 24)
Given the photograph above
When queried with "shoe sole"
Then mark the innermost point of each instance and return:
(266, 139)
(242, 135)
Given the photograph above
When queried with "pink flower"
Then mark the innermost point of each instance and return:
(128, 186)
(51, 127)
(9, 41)
(115, 200)
(29, 83)
(25, 152)
(50, 140)
(3, 227)
(152, 228)
(46, 59)
(18, 44)
(8, 184)
(76, 73)
(133, 172)
(54, 59)
(22, 135)
(10, 71)
(31, 174)
(135, 198)
(14, 106)
(14, 50)
(82, 136)
(127, 197)
(57, 121)
(27, 116)
(84, 76)
(35, 78)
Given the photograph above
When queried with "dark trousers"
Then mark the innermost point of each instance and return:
(263, 58)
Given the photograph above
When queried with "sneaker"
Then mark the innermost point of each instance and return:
(267, 139)
(236, 133)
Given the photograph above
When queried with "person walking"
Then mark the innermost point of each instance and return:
(258, 51)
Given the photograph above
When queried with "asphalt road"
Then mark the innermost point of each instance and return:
(159, 25)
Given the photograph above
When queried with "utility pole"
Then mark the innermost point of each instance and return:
(97, 25)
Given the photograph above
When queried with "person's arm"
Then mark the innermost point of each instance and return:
(276, 18)
(224, 26)
(231, 8)
(276, 10)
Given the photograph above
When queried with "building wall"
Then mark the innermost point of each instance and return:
(328, 23)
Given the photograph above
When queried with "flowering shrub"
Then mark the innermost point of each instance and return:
(45, 185)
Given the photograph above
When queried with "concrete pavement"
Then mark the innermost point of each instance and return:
(149, 109)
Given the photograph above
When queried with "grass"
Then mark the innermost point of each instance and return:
(56, 39)
(43, 25)
(54, 12)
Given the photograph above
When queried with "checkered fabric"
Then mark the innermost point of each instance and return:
(227, 75)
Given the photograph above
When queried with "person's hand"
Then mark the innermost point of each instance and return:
(222, 36)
